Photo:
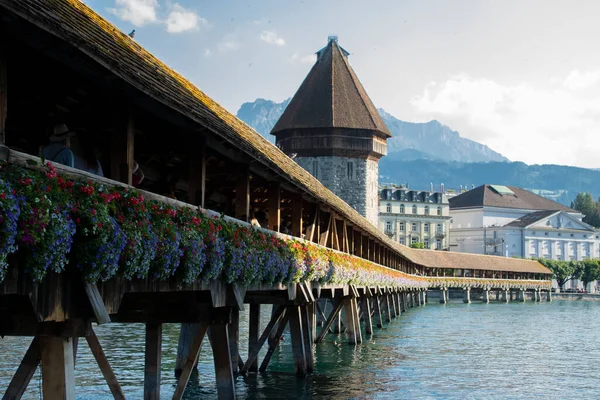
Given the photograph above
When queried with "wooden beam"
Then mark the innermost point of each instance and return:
(190, 362)
(130, 152)
(313, 227)
(274, 193)
(197, 176)
(335, 241)
(366, 313)
(152, 362)
(105, 368)
(187, 332)
(254, 349)
(96, 302)
(350, 322)
(58, 380)
(358, 244)
(377, 310)
(332, 317)
(274, 343)
(242, 195)
(306, 335)
(222, 360)
(234, 338)
(22, 377)
(253, 328)
(346, 241)
(325, 235)
(297, 206)
(298, 349)
(3, 88)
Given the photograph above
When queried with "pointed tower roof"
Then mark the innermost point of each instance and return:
(331, 96)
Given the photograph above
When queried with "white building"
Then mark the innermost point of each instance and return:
(512, 222)
(411, 216)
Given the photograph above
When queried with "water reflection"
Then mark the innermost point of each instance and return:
(454, 351)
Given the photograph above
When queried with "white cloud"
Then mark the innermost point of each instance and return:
(272, 37)
(307, 59)
(181, 20)
(138, 12)
(207, 53)
(228, 44)
(525, 123)
(578, 80)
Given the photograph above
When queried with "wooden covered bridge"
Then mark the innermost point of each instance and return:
(177, 247)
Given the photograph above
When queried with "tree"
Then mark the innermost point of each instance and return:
(585, 204)
(562, 271)
(418, 245)
(590, 271)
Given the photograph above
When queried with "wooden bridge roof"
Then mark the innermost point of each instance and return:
(77, 24)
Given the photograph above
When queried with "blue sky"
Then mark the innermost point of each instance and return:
(520, 76)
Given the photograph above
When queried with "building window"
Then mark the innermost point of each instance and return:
(413, 227)
(426, 242)
(388, 208)
(402, 241)
(438, 244)
(401, 226)
(315, 166)
(426, 227)
(401, 208)
(350, 171)
(388, 227)
(439, 229)
(439, 211)
(413, 239)
(426, 210)
(414, 209)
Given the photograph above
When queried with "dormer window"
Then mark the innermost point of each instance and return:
(414, 209)
(439, 211)
(401, 208)
(388, 207)
(426, 210)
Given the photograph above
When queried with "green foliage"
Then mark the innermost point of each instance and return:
(418, 245)
(584, 203)
(590, 271)
(563, 271)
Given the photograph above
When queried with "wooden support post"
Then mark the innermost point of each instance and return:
(187, 333)
(242, 195)
(197, 181)
(105, 368)
(392, 303)
(386, 307)
(298, 349)
(191, 359)
(297, 228)
(273, 344)
(219, 334)
(3, 90)
(377, 310)
(467, 295)
(324, 238)
(332, 317)
(350, 239)
(350, 323)
(357, 330)
(58, 380)
(403, 301)
(152, 362)
(311, 230)
(274, 193)
(255, 348)
(130, 152)
(307, 336)
(336, 235)
(22, 377)
(358, 244)
(253, 330)
(234, 338)
(366, 313)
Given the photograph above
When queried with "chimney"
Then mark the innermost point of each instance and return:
(431, 187)
(442, 188)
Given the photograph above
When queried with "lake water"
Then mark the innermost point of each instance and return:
(453, 351)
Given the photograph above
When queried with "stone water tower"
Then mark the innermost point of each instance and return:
(332, 129)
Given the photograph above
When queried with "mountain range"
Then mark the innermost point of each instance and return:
(430, 152)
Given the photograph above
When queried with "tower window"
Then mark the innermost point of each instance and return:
(315, 167)
(350, 171)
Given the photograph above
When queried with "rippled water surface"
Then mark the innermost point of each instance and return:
(456, 351)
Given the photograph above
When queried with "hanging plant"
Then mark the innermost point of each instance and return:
(192, 245)
(9, 217)
(168, 251)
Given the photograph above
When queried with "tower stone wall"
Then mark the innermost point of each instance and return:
(354, 180)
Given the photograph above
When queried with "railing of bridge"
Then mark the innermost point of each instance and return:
(53, 213)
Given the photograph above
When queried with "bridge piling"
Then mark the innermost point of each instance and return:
(152, 362)
(443, 296)
(377, 309)
(467, 295)
(253, 329)
(486, 296)
(549, 295)
(505, 296)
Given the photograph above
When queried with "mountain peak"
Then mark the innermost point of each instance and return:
(410, 140)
